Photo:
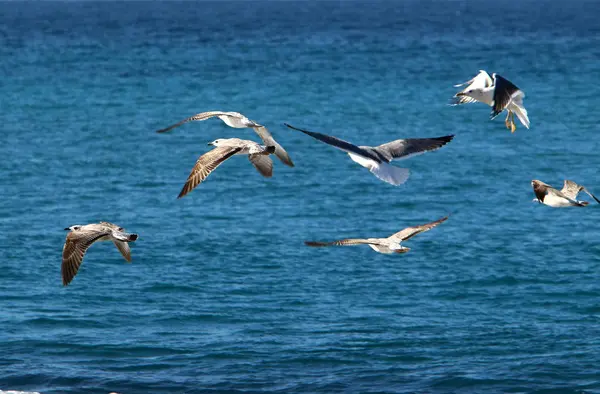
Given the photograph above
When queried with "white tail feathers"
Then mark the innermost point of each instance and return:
(519, 110)
(390, 174)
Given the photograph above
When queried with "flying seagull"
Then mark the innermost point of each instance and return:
(497, 92)
(566, 197)
(239, 121)
(224, 149)
(81, 237)
(377, 158)
(387, 245)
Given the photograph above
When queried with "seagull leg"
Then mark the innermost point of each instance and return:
(507, 120)
(513, 125)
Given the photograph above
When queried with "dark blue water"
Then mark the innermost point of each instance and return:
(222, 295)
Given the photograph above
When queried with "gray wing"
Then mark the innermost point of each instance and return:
(410, 232)
(346, 242)
(504, 91)
(74, 249)
(198, 117)
(268, 140)
(409, 147)
(572, 189)
(124, 249)
(340, 144)
(206, 164)
(262, 163)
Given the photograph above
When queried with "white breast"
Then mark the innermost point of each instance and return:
(556, 201)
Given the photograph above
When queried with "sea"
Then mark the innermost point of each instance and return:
(222, 295)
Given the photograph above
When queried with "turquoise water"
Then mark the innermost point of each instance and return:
(222, 294)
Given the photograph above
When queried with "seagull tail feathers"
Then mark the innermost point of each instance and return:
(390, 174)
(521, 113)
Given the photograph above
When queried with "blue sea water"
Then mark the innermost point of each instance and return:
(222, 295)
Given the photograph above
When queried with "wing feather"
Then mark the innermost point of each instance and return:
(206, 164)
(346, 242)
(76, 244)
(504, 91)
(262, 163)
(338, 143)
(198, 117)
(408, 147)
(480, 81)
(268, 140)
(410, 232)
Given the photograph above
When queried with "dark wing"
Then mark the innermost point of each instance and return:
(409, 147)
(340, 144)
(504, 90)
(206, 164)
(268, 140)
(344, 242)
(410, 232)
(75, 247)
(200, 116)
(262, 163)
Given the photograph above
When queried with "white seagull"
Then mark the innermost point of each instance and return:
(387, 245)
(497, 92)
(82, 237)
(224, 149)
(377, 158)
(238, 121)
(566, 197)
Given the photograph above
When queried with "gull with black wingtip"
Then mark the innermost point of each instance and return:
(377, 158)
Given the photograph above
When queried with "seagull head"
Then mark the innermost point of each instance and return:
(215, 143)
(73, 228)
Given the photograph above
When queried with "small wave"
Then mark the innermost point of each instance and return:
(18, 392)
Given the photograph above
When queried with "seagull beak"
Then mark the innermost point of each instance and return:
(210, 143)
(67, 228)
(459, 94)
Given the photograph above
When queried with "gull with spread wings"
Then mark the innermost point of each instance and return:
(377, 158)
(81, 237)
(224, 149)
(497, 92)
(387, 245)
(566, 197)
(239, 121)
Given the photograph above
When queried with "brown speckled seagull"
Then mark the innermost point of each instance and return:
(387, 245)
(81, 237)
(566, 197)
(239, 121)
(224, 149)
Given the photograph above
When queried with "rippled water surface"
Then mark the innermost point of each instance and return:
(222, 295)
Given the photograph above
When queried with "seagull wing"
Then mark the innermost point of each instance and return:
(206, 164)
(504, 91)
(402, 149)
(76, 244)
(262, 163)
(268, 140)
(199, 117)
(347, 242)
(480, 81)
(338, 143)
(410, 232)
(572, 189)
(124, 249)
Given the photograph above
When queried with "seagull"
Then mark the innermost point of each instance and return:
(224, 149)
(377, 158)
(497, 92)
(387, 245)
(239, 121)
(566, 197)
(81, 237)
